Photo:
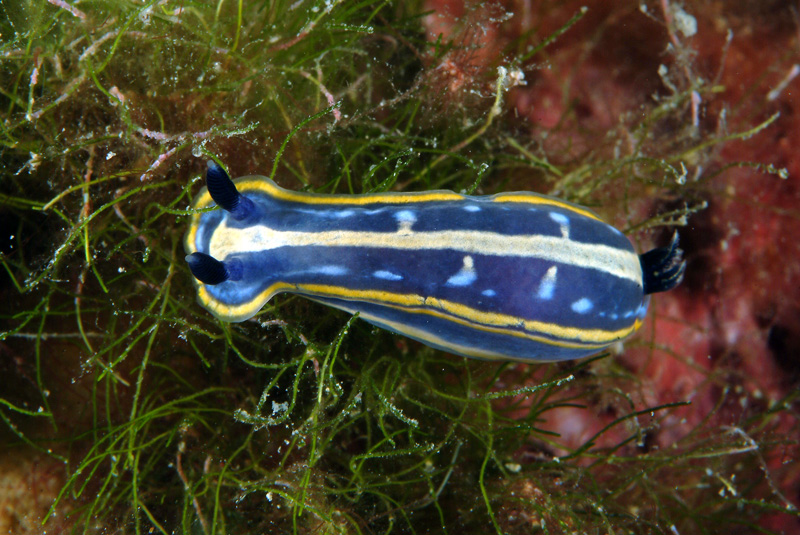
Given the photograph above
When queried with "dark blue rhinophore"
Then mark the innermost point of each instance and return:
(225, 194)
(206, 268)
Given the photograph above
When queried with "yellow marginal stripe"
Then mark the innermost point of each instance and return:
(456, 312)
(455, 348)
(190, 240)
(265, 185)
(431, 338)
(461, 321)
(502, 323)
(535, 198)
(238, 312)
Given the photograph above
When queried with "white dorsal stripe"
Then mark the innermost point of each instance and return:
(557, 249)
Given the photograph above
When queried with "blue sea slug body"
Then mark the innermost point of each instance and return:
(512, 276)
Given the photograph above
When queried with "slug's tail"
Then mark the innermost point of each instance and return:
(663, 268)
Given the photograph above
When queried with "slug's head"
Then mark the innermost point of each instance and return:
(204, 267)
(230, 281)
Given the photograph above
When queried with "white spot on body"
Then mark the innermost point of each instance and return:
(582, 305)
(405, 215)
(466, 274)
(563, 222)
(641, 312)
(329, 270)
(472, 208)
(548, 284)
(343, 213)
(329, 214)
(489, 293)
(387, 275)
(405, 218)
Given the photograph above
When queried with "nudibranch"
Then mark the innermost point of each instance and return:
(513, 276)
